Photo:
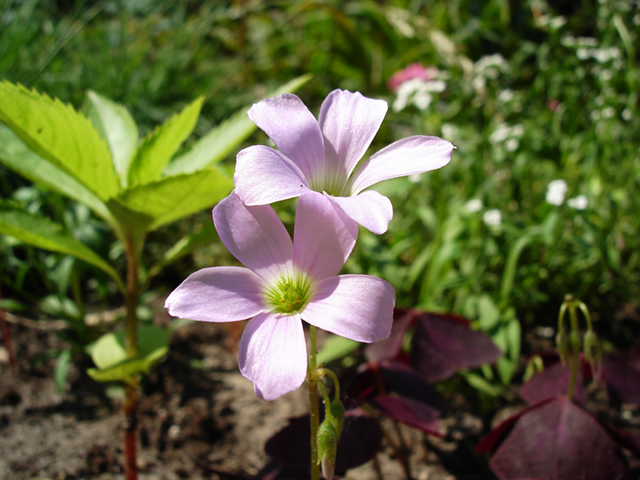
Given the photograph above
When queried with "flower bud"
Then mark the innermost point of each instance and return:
(593, 352)
(336, 416)
(327, 447)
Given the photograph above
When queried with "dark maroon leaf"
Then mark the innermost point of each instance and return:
(558, 440)
(443, 344)
(361, 440)
(625, 438)
(492, 440)
(392, 346)
(408, 411)
(623, 379)
(553, 380)
(405, 381)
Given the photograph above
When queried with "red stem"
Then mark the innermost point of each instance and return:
(130, 428)
(6, 333)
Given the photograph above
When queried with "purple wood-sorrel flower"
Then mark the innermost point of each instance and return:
(322, 155)
(285, 282)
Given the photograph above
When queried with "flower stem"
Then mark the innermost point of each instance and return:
(314, 414)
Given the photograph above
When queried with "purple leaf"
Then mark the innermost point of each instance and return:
(622, 373)
(391, 347)
(553, 380)
(557, 439)
(409, 411)
(361, 440)
(407, 382)
(443, 344)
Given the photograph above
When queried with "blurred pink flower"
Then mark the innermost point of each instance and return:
(284, 283)
(414, 70)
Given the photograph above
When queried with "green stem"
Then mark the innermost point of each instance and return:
(325, 371)
(314, 413)
(575, 354)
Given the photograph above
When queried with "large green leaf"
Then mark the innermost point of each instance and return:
(15, 155)
(43, 233)
(160, 145)
(110, 356)
(172, 198)
(224, 138)
(115, 124)
(61, 135)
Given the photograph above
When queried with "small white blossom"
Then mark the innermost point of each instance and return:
(627, 115)
(608, 112)
(474, 205)
(556, 191)
(492, 218)
(417, 91)
(579, 203)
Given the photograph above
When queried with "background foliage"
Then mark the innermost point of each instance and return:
(535, 92)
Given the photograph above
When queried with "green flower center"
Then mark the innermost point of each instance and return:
(333, 183)
(289, 294)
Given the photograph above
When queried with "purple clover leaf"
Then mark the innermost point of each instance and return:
(285, 282)
(324, 155)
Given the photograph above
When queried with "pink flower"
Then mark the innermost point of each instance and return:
(414, 70)
(285, 282)
(322, 155)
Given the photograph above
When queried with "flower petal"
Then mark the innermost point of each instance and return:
(358, 307)
(264, 175)
(217, 294)
(370, 209)
(273, 354)
(349, 121)
(408, 156)
(323, 237)
(293, 129)
(254, 235)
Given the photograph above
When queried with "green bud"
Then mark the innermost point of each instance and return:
(593, 353)
(534, 365)
(336, 416)
(327, 447)
(564, 347)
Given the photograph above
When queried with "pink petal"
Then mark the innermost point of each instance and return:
(349, 121)
(293, 129)
(405, 157)
(217, 294)
(254, 235)
(273, 354)
(370, 209)
(264, 175)
(323, 236)
(358, 307)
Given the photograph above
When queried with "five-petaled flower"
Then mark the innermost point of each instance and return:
(285, 282)
(324, 155)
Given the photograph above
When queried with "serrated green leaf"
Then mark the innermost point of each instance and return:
(336, 347)
(172, 198)
(43, 233)
(115, 124)
(224, 138)
(15, 154)
(184, 246)
(59, 134)
(159, 146)
(109, 354)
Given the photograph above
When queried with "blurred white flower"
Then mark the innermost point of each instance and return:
(415, 178)
(474, 205)
(417, 91)
(449, 130)
(508, 134)
(579, 203)
(627, 115)
(608, 112)
(493, 217)
(556, 191)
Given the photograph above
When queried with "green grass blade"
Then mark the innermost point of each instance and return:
(172, 198)
(115, 124)
(224, 138)
(61, 135)
(161, 145)
(43, 233)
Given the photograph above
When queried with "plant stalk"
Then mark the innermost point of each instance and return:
(314, 413)
(132, 297)
(6, 333)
